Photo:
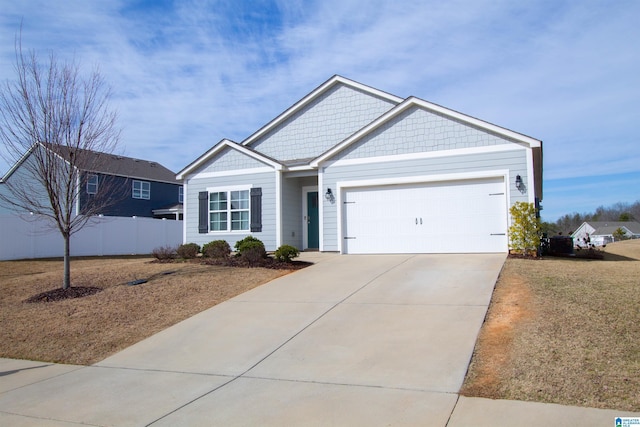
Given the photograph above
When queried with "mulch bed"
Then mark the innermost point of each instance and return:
(241, 262)
(264, 263)
(60, 294)
(63, 294)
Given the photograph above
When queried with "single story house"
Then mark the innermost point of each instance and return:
(140, 187)
(600, 233)
(353, 169)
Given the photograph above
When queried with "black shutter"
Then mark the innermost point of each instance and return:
(256, 209)
(203, 212)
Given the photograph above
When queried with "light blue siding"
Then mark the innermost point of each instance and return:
(292, 221)
(230, 159)
(418, 130)
(23, 181)
(322, 124)
(515, 161)
(266, 181)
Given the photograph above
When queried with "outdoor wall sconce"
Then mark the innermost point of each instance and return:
(329, 195)
(519, 184)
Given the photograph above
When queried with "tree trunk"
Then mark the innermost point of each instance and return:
(66, 283)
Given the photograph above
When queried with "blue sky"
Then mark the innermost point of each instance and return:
(189, 73)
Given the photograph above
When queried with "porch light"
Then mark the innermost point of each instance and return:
(518, 182)
(329, 195)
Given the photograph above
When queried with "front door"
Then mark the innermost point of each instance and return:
(313, 223)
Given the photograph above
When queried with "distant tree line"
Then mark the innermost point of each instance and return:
(568, 223)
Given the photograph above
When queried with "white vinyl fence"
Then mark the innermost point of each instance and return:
(23, 236)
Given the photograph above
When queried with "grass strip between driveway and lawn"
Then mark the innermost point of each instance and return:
(563, 330)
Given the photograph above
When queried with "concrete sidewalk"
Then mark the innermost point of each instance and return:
(352, 340)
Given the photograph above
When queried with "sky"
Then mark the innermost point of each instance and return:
(186, 74)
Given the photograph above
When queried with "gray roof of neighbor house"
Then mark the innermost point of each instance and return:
(113, 164)
(605, 228)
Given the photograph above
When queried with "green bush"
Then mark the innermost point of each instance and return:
(524, 232)
(217, 249)
(164, 253)
(251, 249)
(286, 253)
(188, 250)
(246, 243)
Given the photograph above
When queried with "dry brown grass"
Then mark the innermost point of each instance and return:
(86, 330)
(565, 331)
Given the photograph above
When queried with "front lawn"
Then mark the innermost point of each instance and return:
(565, 331)
(88, 329)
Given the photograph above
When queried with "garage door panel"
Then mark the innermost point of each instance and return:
(449, 217)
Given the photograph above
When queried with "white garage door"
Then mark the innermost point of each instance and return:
(467, 216)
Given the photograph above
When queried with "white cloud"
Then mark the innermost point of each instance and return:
(190, 73)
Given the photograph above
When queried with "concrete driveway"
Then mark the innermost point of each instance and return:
(352, 340)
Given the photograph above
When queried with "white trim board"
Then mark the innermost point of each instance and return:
(424, 179)
(427, 155)
(233, 172)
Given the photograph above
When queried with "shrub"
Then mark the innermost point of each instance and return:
(619, 234)
(251, 249)
(188, 250)
(164, 253)
(286, 253)
(218, 249)
(246, 243)
(524, 232)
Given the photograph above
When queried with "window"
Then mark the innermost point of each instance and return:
(240, 210)
(141, 190)
(229, 210)
(180, 194)
(92, 184)
(218, 211)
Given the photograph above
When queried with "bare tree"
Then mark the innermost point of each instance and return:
(56, 125)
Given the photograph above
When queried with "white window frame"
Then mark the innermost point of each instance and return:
(141, 192)
(181, 194)
(229, 211)
(90, 178)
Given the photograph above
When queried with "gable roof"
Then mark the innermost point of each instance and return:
(605, 228)
(317, 92)
(222, 144)
(400, 106)
(534, 144)
(108, 164)
(413, 101)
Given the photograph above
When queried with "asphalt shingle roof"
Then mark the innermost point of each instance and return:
(112, 164)
(608, 227)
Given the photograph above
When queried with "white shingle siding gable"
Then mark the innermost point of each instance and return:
(322, 124)
(228, 160)
(418, 130)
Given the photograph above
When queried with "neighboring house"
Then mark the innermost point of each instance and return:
(141, 188)
(601, 232)
(353, 169)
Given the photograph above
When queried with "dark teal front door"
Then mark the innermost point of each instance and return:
(313, 225)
